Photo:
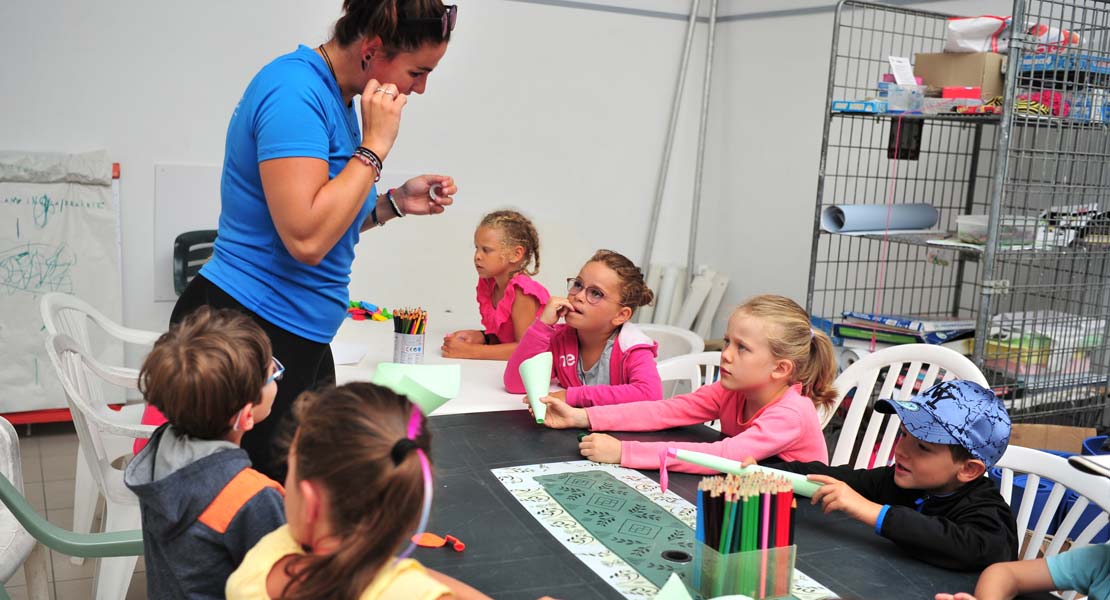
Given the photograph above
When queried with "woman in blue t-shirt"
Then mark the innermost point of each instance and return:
(298, 186)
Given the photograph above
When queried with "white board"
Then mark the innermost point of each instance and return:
(58, 231)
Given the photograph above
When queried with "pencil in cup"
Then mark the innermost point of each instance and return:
(408, 335)
(745, 525)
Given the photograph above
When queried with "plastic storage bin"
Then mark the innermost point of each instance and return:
(1092, 446)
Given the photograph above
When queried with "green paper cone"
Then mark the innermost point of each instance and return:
(674, 589)
(802, 486)
(536, 375)
(427, 386)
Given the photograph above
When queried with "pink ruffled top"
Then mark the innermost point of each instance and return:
(498, 320)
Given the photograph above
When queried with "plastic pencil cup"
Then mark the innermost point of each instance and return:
(408, 348)
(757, 574)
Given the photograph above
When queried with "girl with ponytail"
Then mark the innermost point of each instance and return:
(775, 371)
(359, 484)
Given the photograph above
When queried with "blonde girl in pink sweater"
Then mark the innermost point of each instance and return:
(775, 370)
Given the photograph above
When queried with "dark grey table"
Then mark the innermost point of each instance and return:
(510, 556)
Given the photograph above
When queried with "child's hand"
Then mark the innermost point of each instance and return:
(561, 415)
(960, 596)
(455, 347)
(837, 495)
(601, 447)
(469, 336)
(557, 307)
(747, 462)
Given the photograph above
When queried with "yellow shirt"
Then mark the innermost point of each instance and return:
(401, 580)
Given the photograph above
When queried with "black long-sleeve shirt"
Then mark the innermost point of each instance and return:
(966, 530)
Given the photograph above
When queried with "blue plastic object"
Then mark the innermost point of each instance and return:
(1089, 514)
(1044, 488)
(1092, 446)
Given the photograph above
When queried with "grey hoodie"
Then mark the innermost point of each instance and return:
(202, 508)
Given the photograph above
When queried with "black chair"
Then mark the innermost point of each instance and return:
(190, 251)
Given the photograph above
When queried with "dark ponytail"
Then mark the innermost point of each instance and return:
(403, 25)
(344, 441)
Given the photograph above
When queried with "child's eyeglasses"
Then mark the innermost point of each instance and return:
(279, 371)
(594, 295)
(450, 15)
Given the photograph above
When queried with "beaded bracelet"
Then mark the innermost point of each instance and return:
(370, 159)
(393, 203)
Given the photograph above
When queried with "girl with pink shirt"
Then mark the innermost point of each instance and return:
(600, 358)
(505, 246)
(775, 369)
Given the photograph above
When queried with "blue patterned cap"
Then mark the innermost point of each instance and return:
(961, 413)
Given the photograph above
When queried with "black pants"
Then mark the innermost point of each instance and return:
(308, 365)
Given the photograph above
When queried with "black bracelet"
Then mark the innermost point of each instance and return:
(375, 160)
(491, 339)
(393, 203)
(374, 217)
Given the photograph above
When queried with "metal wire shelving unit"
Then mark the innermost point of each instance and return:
(1042, 311)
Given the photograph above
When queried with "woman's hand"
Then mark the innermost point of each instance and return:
(415, 195)
(557, 307)
(381, 116)
(601, 448)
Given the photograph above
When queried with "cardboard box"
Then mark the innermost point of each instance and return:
(1062, 438)
(975, 69)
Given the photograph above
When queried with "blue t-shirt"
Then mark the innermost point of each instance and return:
(292, 108)
(1086, 570)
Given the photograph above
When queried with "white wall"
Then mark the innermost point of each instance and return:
(558, 110)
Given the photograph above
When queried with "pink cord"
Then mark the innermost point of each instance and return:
(426, 467)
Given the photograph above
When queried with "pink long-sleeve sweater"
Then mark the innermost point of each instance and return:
(632, 372)
(788, 427)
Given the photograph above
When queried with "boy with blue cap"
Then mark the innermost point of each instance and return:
(934, 501)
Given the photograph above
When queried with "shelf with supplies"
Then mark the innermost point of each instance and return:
(1022, 120)
(931, 181)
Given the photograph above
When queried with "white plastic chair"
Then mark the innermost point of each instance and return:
(17, 546)
(69, 315)
(78, 373)
(673, 341)
(1038, 465)
(925, 364)
(684, 374)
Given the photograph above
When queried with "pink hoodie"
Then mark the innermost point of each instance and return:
(788, 427)
(632, 372)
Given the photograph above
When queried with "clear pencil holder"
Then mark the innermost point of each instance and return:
(408, 348)
(758, 574)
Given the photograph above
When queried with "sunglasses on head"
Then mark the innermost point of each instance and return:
(450, 15)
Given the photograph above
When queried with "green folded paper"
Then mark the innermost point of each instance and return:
(536, 375)
(674, 589)
(427, 386)
(801, 485)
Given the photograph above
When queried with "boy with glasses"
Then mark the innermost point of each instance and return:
(213, 376)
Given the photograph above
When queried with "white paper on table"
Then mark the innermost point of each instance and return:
(902, 69)
(347, 353)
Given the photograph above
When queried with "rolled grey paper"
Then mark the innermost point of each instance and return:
(848, 218)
